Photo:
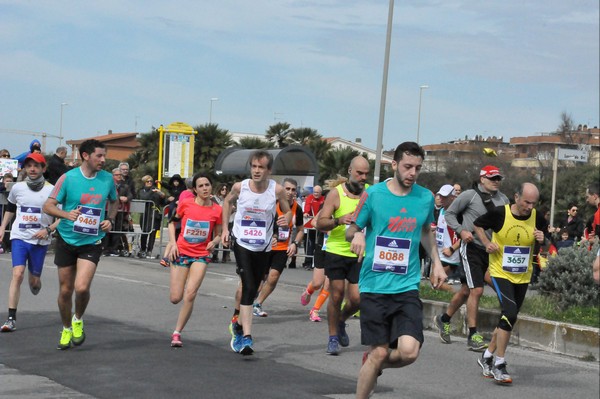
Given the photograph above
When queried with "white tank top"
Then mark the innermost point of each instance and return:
(254, 217)
(444, 240)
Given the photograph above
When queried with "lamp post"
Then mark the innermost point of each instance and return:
(419, 121)
(210, 111)
(60, 138)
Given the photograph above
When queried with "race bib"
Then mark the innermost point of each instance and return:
(29, 217)
(515, 259)
(254, 231)
(88, 222)
(283, 234)
(439, 237)
(391, 255)
(195, 231)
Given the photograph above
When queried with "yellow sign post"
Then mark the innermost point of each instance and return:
(176, 147)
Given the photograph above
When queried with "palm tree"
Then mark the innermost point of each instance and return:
(319, 148)
(209, 143)
(336, 162)
(255, 143)
(145, 160)
(278, 134)
(303, 136)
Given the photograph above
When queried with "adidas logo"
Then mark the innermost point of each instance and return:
(403, 210)
(393, 244)
(253, 224)
(517, 251)
(90, 212)
(29, 210)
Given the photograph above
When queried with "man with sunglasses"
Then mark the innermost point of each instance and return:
(484, 196)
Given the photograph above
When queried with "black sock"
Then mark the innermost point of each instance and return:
(472, 330)
(445, 318)
(248, 336)
(12, 314)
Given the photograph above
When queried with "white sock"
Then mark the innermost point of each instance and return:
(487, 354)
(499, 360)
(75, 318)
(176, 332)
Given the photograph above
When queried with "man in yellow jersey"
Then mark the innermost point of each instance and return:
(515, 228)
(340, 263)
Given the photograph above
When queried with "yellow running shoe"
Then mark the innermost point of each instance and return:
(78, 333)
(65, 339)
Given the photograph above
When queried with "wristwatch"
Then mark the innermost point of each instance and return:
(49, 230)
(296, 243)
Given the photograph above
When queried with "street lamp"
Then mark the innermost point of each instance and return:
(60, 138)
(210, 111)
(420, 97)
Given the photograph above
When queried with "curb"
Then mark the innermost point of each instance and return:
(529, 332)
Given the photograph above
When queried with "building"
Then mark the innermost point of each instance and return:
(119, 146)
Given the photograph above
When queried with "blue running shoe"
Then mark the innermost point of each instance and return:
(343, 335)
(236, 337)
(246, 349)
(333, 347)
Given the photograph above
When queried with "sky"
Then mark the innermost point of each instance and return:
(493, 68)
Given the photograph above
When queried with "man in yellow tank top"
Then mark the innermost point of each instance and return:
(516, 228)
(340, 263)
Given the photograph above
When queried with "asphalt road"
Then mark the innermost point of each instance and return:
(127, 352)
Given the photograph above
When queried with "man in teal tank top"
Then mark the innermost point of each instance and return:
(341, 264)
(396, 215)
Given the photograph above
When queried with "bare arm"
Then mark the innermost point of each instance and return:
(228, 204)
(51, 208)
(284, 205)
(5, 220)
(357, 240)
(325, 221)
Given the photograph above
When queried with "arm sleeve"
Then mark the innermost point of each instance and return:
(299, 217)
(492, 220)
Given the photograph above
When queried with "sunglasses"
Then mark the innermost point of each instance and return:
(5, 156)
(495, 178)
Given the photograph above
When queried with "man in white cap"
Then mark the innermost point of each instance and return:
(468, 206)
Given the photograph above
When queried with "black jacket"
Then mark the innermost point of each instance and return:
(55, 169)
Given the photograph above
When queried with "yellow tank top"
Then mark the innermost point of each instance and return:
(336, 243)
(513, 261)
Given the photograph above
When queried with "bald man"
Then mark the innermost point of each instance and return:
(516, 228)
(341, 264)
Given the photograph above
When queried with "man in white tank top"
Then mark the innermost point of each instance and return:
(252, 236)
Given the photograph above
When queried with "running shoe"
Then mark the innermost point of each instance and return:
(333, 346)
(65, 339)
(443, 328)
(486, 365)
(9, 326)
(501, 376)
(258, 311)
(246, 349)
(176, 340)
(314, 316)
(305, 298)
(343, 335)
(78, 333)
(475, 343)
(35, 289)
(237, 336)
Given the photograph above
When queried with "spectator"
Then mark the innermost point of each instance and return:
(592, 195)
(151, 218)
(311, 207)
(457, 189)
(57, 166)
(188, 193)
(34, 146)
(4, 153)
(117, 238)
(218, 197)
(573, 223)
(175, 187)
(565, 240)
(6, 246)
(127, 179)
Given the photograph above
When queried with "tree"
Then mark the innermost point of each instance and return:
(336, 162)
(319, 148)
(145, 160)
(255, 143)
(209, 143)
(304, 136)
(278, 134)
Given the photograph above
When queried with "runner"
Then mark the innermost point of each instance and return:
(252, 238)
(516, 229)
(397, 216)
(284, 246)
(190, 253)
(31, 232)
(468, 206)
(83, 193)
(341, 264)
